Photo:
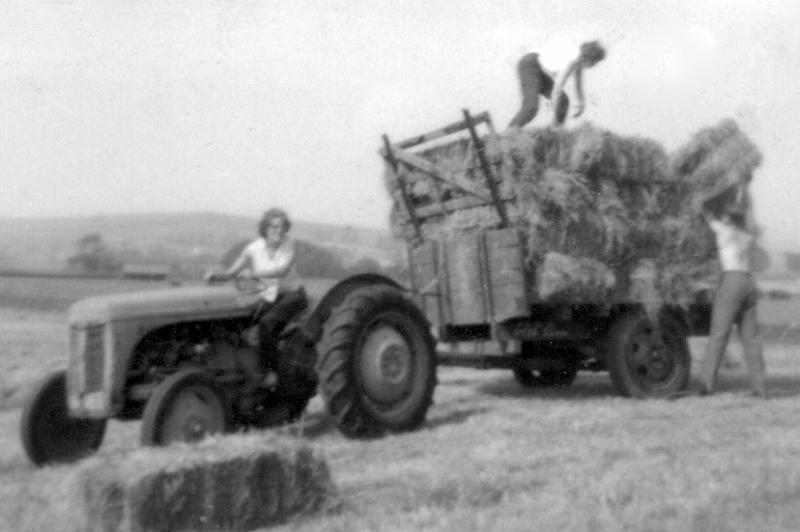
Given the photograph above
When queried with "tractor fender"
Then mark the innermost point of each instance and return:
(336, 295)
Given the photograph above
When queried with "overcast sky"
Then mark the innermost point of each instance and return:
(113, 106)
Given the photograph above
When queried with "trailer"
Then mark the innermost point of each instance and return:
(477, 293)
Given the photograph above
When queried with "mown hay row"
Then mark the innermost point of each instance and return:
(592, 206)
(228, 483)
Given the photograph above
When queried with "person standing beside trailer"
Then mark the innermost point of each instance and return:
(541, 74)
(736, 297)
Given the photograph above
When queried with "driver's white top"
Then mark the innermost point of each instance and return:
(274, 266)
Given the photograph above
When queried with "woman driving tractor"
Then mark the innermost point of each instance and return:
(271, 260)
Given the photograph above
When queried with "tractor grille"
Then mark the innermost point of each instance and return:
(88, 345)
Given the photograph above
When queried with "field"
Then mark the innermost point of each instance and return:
(57, 294)
(494, 456)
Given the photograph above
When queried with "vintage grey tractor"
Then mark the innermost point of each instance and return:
(184, 360)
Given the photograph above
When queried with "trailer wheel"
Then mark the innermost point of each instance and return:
(547, 378)
(377, 364)
(644, 361)
(49, 434)
(185, 407)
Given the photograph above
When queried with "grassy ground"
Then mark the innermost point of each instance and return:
(494, 456)
(31, 345)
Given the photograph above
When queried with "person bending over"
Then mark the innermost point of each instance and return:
(539, 75)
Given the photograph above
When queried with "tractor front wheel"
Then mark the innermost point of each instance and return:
(49, 434)
(186, 407)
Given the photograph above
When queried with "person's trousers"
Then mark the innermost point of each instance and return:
(735, 303)
(534, 82)
(272, 319)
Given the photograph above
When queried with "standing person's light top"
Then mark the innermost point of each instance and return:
(734, 246)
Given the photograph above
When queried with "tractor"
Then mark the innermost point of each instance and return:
(184, 360)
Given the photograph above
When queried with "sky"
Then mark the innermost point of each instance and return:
(234, 106)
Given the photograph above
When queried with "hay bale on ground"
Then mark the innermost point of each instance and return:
(226, 483)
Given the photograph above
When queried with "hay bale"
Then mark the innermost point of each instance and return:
(228, 483)
(565, 279)
(691, 155)
(598, 153)
(596, 206)
(716, 159)
(643, 286)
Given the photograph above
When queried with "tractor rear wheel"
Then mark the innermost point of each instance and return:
(377, 366)
(49, 434)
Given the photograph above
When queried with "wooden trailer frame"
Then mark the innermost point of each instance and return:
(470, 282)
(476, 290)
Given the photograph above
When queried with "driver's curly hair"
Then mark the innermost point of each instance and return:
(270, 215)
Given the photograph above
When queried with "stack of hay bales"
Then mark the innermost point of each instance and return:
(603, 217)
(226, 483)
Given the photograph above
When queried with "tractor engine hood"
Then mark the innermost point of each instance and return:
(201, 302)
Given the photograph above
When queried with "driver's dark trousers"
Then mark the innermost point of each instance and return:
(272, 319)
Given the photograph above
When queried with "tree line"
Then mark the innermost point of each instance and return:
(93, 256)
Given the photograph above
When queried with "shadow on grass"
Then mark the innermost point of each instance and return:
(314, 426)
(586, 385)
(452, 418)
(599, 385)
(780, 385)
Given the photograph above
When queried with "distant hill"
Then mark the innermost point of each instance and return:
(195, 238)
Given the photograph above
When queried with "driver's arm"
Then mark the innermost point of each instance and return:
(241, 262)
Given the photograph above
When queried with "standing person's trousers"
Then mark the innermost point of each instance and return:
(735, 303)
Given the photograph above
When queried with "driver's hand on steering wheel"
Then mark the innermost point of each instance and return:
(212, 277)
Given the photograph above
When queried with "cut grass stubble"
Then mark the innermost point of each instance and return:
(493, 456)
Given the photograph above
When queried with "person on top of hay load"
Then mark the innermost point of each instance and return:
(271, 259)
(736, 296)
(541, 75)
